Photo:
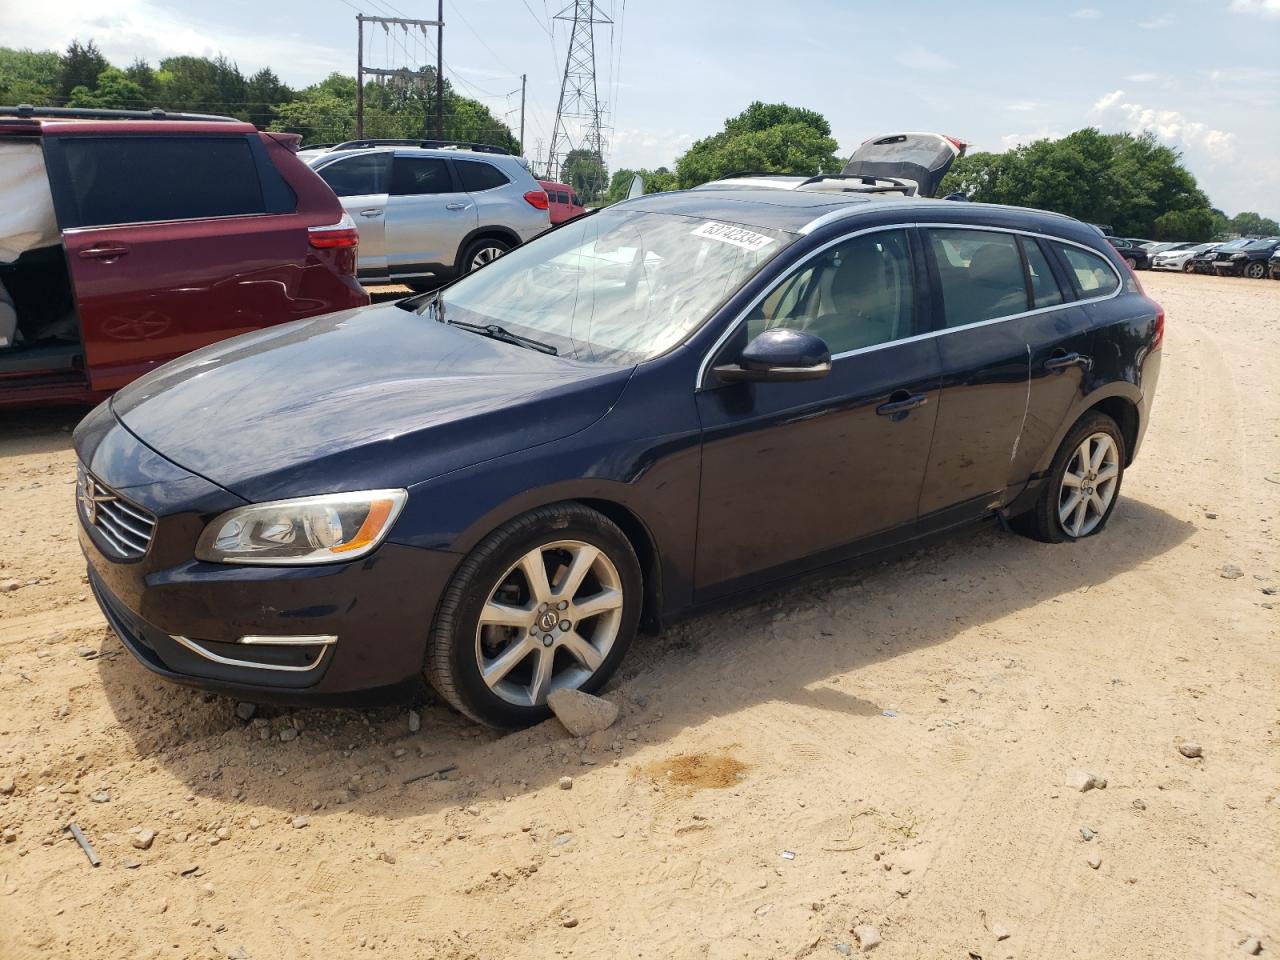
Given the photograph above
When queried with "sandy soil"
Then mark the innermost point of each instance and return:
(887, 748)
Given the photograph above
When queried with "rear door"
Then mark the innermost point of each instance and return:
(428, 216)
(173, 242)
(362, 183)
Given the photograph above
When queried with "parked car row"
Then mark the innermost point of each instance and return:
(1246, 257)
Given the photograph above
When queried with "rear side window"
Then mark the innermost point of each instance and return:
(1044, 288)
(1092, 275)
(112, 180)
(857, 294)
(476, 175)
(414, 176)
(358, 176)
(562, 197)
(573, 198)
(980, 274)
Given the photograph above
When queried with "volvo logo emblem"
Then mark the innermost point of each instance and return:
(89, 500)
(548, 620)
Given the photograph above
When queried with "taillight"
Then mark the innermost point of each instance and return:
(342, 234)
(1159, 334)
(537, 199)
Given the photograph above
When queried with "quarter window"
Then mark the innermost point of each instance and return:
(1044, 288)
(358, 176)
(857, 294)
(415, 176)
(1092, 275)
(980, 273)
(143, 179)
(477, 175)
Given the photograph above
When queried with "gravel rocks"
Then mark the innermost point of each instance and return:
(1139, 803)
(8, 586)
(1252, 946)
(287, 734)
(1082, 781)
(581, 713)
(868, 937)
(415, 721)
(1230, 572)
(566, 783)
(999, 931)
(143, 838)
(1095, 862)
(246, 710)
(1190, 749)
(7, 786)
(100, 796)
(223, 833)
(300, 822)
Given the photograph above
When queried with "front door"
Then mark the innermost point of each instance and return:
(173, 242)
(428, 216)
(795, 474)
(362, 183)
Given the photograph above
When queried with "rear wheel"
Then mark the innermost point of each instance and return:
(548, 601)
(1083, 485)
(482, 251)
(1132, 262)
(1256, 270)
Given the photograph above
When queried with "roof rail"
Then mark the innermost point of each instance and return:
(423, 144)
(84, 113)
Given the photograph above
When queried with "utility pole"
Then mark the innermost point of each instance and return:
(403, 72)
(524, 78)
(578, 93)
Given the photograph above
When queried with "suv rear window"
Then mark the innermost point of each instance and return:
(981, 275)
(1092, 275)
(476, 175)
(414, 176)
(358, 176)
(111, 180)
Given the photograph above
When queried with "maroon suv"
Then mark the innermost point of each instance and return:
(128, 239)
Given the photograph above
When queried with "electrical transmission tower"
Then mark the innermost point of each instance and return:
(579, 105)
(402, 76)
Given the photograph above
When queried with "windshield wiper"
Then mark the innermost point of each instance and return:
(496, 332)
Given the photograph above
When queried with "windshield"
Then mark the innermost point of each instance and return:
(619, 286)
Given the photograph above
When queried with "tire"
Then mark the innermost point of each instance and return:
(1044, 521)
(461, 647)
(423, 286)
(482, 251)
(1133, 263)
(1256, 270)
(1188, 267)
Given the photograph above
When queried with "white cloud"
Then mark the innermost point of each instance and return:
(142, 28)
(1170, 126)
(1244, 75)
(1261, 8)
(1087, 13)
(635, 147)
(1011, 140)
(1022, 106)
(922, 58)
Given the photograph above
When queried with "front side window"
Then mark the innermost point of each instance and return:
(620, 286)
(414, 176)
(859, 293)
(1044, 288)
(980, 273)
(477, 175)
(562, 197)
(1092, 275)
(368, 173)
(139, 179)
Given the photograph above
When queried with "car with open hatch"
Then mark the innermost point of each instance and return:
(128, 238)
(673, 402)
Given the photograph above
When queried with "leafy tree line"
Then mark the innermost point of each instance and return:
(323, 112)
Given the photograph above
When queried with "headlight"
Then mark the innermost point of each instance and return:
(325, 529)
(1238, 256)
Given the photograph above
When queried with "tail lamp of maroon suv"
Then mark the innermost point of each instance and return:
(128, 239)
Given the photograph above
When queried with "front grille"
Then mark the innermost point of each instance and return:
(125, 527)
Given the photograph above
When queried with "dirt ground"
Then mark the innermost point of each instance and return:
(887, 748)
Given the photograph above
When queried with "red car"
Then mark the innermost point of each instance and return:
(564, 203)
(129, 238)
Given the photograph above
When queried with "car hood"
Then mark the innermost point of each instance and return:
(368, 398)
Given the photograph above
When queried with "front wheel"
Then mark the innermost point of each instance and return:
(1131, 262)
(1256, 270)
(550, 600)
(1083, 485)
(1188, 267)
(481, 252)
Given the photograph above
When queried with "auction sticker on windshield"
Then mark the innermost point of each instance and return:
(738, 236)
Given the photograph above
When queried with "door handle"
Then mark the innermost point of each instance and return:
(104, 251)
(900, 402)
(456, 206)
(1059, 362)
(371, 212)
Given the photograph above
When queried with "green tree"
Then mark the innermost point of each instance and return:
(80, 67)
(1249, 224)
(655, 181)
(29, 76)
(1194, 225)
(113, 91)
(263, 91)
(766, 137)
(584, 170)
(140, 72)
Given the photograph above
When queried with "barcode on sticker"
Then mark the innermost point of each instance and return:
(738, 236)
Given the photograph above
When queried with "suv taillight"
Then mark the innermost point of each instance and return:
(341, 235)
(537, 199)
(1159, 335)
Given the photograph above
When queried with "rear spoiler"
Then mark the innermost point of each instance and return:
(290, 141)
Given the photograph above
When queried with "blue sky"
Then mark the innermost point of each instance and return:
(1203, 75)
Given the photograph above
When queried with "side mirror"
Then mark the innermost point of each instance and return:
(779, 354)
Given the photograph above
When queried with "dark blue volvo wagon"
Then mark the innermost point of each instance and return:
(680, 398)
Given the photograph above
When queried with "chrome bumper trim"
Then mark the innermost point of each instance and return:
(323, 641)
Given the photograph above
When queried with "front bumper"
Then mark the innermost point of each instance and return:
(188, 621)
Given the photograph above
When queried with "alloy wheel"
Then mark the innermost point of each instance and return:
(550, 622)
(1256, 270)
(1088, 485)
(485, 255)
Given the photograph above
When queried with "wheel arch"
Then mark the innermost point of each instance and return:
(491, 232)
(1121, 401)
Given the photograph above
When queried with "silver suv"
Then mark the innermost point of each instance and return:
(427, 215)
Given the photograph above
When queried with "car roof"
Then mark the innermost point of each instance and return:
(499, 159)
(802, 211)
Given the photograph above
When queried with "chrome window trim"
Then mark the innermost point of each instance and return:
(323, 642)
(755, 302)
